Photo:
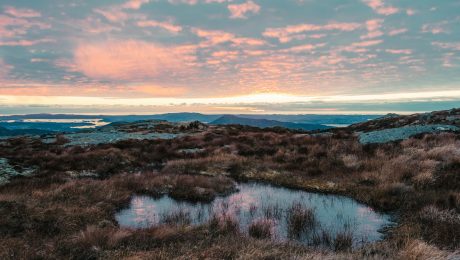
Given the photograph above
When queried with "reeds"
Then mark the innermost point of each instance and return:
(300, 220)
(261, 228)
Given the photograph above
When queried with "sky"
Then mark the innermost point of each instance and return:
(229, 56)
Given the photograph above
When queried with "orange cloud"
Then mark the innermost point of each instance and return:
(132, 60)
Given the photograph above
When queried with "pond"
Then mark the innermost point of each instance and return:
(289, 215)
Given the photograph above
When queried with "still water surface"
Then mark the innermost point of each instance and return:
(256, 201)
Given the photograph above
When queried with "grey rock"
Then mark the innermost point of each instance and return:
(402, 133)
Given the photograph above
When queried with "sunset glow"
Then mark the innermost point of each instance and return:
(228, 56)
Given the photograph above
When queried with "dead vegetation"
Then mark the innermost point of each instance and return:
(416, 179)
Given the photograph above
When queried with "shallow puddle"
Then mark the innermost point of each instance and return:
(275, 206)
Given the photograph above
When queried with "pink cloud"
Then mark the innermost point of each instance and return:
(435, 28)
(21, 13)
(4, 69)
(410, 12)
(25, 42)
(213, 37)
(255, 52)
(286, 34)
(379, 7)
(239, 11)
(113, 15)
(132, 60)
(160, 91)
(373, 28)
(373, 25)
(404, 51)
(447, 60)
(317, 36)
(135, 4)
(248, 41)
(13, 27)
(189, 2)
(455, 46)
(224, 53)
(367, 43)
(388, 10)
(164, 25)
(92, 25)
(397, 31)
(306, 47)
(117, 13)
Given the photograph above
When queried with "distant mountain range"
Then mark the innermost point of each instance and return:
(264, 123)
(206, 118)
(37, 124)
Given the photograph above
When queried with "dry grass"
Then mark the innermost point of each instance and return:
(416, 179)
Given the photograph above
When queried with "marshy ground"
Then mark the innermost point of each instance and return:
(67, 208)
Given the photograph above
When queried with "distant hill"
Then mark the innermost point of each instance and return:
(171, 117)
(264, 123)
(6, 132)
(315, 119)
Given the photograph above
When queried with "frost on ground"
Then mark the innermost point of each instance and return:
(7, 171)
(103, 137)
(401, 133)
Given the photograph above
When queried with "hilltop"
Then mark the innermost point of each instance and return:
(264, 123)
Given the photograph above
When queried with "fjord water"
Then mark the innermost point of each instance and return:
(256, 201)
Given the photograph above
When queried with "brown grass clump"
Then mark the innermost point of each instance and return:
(261, 228)
(419, 250)
(224, 224)
(178, 217)
(441, 226)
(300, 220)
(343, 241)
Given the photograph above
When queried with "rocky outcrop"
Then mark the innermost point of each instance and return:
(401, 133)
(7, 171)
